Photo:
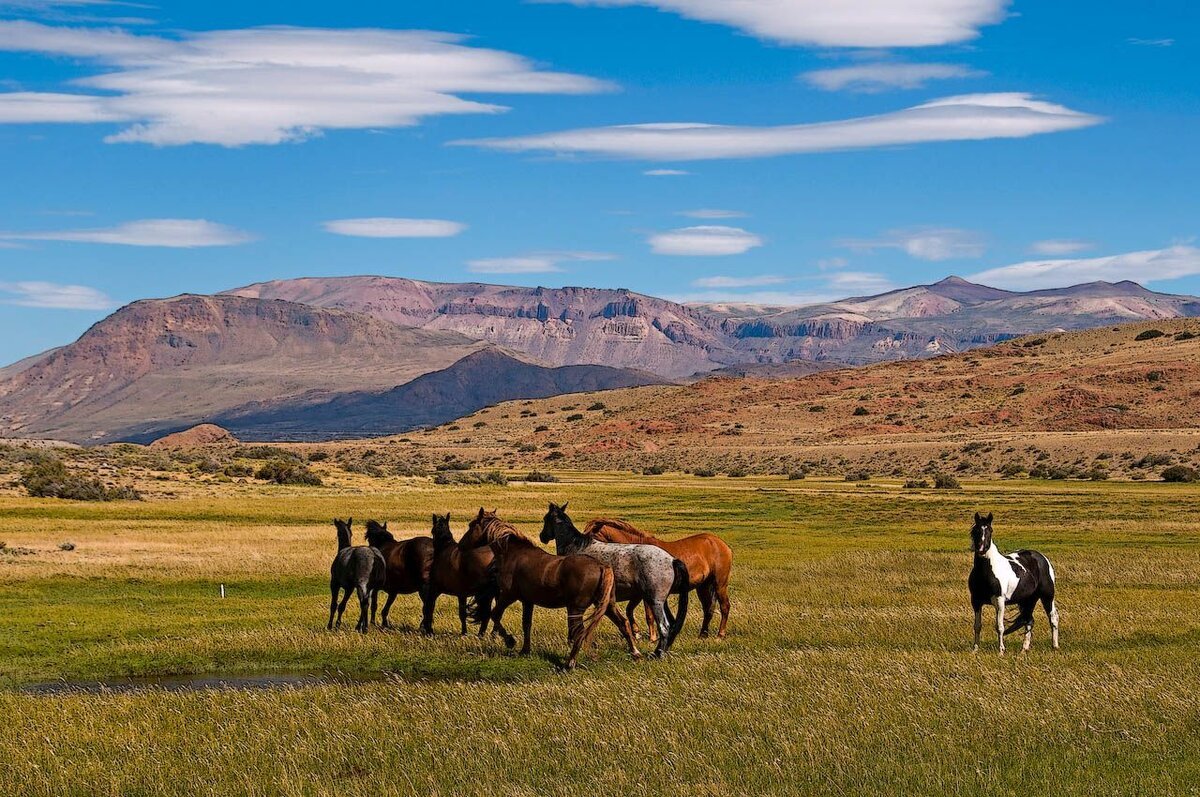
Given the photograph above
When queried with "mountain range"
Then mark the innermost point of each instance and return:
(328, 357)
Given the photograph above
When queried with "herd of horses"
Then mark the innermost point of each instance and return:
(493, 566)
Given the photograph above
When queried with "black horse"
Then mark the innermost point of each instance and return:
(1023, 578)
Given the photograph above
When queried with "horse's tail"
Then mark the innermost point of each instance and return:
(604, 597)
(683, 582)
(479, 606)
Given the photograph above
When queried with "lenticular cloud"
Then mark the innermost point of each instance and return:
(963, 118)
(268, 85)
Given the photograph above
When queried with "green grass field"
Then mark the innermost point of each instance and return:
(848, 669)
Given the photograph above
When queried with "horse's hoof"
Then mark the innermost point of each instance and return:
(510, 643)
(704, 635)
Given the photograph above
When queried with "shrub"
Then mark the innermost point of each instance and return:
(51, 479)
(237, 469)
(797, 475)
(858, 476)
(460, 477)
(944, 481)
(1180, 474)
(817, 408)
(526, 448)
(542, 428)
(653, 470)
(553, 455)
(318, 456)
(288, 471)
(1154, 461)
(541, 476)
(860, 411)
(704, 473)
(575, 417)
(599, 405)
(1186, 335)
(1012, 470)
(479, 424)
(916, 484)
(736, 473)
(266, 452)
(1150, 334)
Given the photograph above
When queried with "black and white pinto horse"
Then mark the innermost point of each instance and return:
(1023, 578)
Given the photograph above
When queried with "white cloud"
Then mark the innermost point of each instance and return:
(1147, 266)
(268, 85)
(872, 78)
(704, 241)
(53, 296)
(712, 213)
(755, 298)
(860, 282)
(738, 282)
(395, 228)
(665, 173)
(534, 263)
(965, 118)
(1060, 246)
(839, 23)
(175, 233)
(934, 243)
(1153, 42)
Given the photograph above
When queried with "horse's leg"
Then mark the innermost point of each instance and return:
(374, 605)
(526, 625)
(998, 602)
(462, 613)
(333, 598)
(497, 615)
(723, 599)
(664, 627)
(574, 637)
(978, 626)
(1028, 634)
(387, 607)
(651, 623)
(342, 607)
(622, 624)
(1052, 614)
(364, 608)
(428, 604)
(707, 594)
(631, 618)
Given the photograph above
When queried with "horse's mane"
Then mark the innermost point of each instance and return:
(377, 534)
(500, 532)
(595, 526)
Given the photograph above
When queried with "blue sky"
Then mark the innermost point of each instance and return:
(150, 150)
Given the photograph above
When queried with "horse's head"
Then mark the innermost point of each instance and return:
(441, 529)
(477, 528)
(556, 518)
(343, 532)
(981, 534)
(378, 534)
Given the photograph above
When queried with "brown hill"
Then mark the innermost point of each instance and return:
(205, 434)
(1091, 381)
(161, 365)
(556, 326)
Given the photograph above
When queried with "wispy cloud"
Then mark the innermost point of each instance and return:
(934, 243)
(533, 263)
(665, 172)
(1060, 246)
(174, 233)
(739, 282)
(839, 23)
(1146, 266)
(268, 85)
(50, 295)
(1153, 42)
(704, 241)
(712, 213)
(884, 76)
(964, 118)
(859, 282)
(381, 227)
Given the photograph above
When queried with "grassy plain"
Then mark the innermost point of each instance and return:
(848, 669)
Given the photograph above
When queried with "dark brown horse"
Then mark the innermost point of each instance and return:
(458, 569)
(524, 572)
(707, 558)
(408, 563)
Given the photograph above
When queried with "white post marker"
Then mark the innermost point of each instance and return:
(222, 591)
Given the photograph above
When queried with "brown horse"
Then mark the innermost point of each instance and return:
(458, 569)
(524, 572)
(408, 563)
(707, 558)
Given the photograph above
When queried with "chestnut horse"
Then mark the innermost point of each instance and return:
(707, 558)
(408, 563)
(458, 569)
(524, 572)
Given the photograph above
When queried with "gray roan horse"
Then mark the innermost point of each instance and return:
(356, 569)
(1023, 578)
(642, 571)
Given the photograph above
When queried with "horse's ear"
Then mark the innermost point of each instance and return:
(435, 518)
(563, 508)
(447, 517)
(385, 525)
(552, 507)
(480, 513)
(978, 518)
(989, 518)
(349, 521)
